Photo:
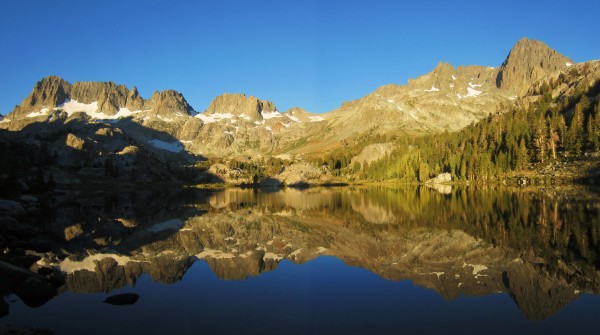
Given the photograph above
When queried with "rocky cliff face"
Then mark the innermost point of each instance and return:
(240, 105)
(168, 103)
(47, 93)
(110, 97)
(104, 98)
(528, 62)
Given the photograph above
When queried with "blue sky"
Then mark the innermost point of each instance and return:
(311, 54)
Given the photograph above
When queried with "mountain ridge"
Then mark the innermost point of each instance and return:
(446, 99)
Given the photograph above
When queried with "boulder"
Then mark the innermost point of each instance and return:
(122, 299)
(35, 292)
(440, 179)
(74, 142)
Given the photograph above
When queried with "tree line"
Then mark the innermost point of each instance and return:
(526, 138)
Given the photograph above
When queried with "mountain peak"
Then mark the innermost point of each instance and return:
(168, 103)
(238, 103)
(48, 92)
(528, 61)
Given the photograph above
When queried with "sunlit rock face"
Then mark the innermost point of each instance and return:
(448, 98)
(528, 62)
(468, 242)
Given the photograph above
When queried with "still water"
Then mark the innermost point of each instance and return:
(348, 260)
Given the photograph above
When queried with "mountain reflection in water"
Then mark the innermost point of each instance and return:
(538, 246)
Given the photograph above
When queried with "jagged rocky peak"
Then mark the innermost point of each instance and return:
(134, 100)
(441, 74)
(527, 62)
(47, 93)
(110, 96)
(240, 105)
(168, 103)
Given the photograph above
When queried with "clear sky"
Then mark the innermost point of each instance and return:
(306, 53)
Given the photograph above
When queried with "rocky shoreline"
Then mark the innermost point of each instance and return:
(22, 241)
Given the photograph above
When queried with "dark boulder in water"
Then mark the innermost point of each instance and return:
(122, 299)
(35, 292)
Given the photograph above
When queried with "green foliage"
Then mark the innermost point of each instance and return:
(500, 145)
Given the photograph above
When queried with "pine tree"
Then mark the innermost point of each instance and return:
(540, 139)
(575, 132)
(522, 156)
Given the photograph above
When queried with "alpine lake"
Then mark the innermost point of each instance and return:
(336, 260)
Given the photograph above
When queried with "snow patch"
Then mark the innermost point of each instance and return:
(453, 77)
(316, 118)
(568, 64)
(287, 125)
(214, 117)
(476, 268)
(268, 128)
(293, 118)
(175, 147)
(43, 111)
(472, 93)
(90, 262)
(270, 115)
(475, 85)
(390, 101)
(244, 116)
(321, 250)
(73, 106)
(270, 255)
(216, 254)
(438, 274)
(433, 89)
(296, 253)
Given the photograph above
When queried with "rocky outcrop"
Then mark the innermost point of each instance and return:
(47, 93)
(239, 105)
(134, 100)
(528, 62)
(372, 152)
(110, 97)
(190, 130)
(168, 104)
(440, 179)
(72, 141)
